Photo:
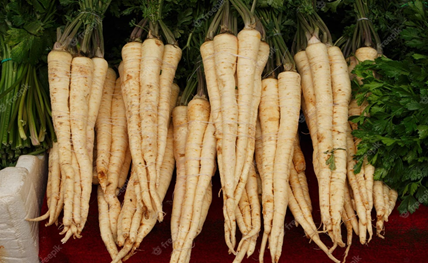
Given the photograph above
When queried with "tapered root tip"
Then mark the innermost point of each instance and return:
(161, 215)
(346, 253)
(380, 235)
(67, 236)
(334, 259)
(332, 248)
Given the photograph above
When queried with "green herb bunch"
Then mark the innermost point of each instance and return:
(394, 126)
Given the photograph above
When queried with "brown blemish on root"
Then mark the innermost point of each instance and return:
(2, 254)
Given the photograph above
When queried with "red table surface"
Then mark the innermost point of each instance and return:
(406, 236)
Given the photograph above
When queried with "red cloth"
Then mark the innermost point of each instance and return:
(406, 237)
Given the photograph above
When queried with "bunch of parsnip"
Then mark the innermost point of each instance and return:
(77, 74)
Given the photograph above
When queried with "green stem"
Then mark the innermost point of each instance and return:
(189, 90)
(99, 51)
(326, 33)
(233, 24)
(154, 29)
(69, 33)
(90, 17)
(21, 113)
(10, 101)
(189, 40)
(87, 35)
(160, 10)
(46, 100)
(212, 30)
(42, 116)
(364, 35)
(31, 116)
(270, 69)
(18, 95)
(138, 30)
(283, 56)
(300, 41)
(50, 12)
(305, 25)
(224, 26)
(244, 12)
(253, 6)
(201, 92)
(169, 36)
(51, 130)
(277, 53)
(37, 152)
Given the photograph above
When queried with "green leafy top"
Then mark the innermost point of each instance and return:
(83, 33)
(415, 33)
(395, 136)
(365, 34)
(245, 13)
(388, 19)
(310, 26)
(28, 28)
(273, 21)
